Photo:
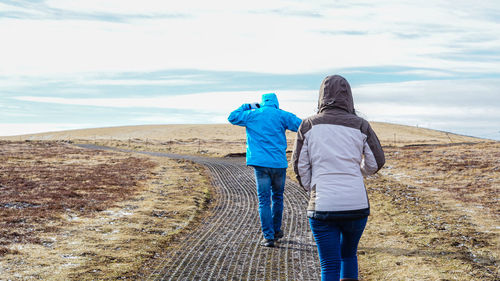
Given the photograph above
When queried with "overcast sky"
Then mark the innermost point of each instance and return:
(68, 64)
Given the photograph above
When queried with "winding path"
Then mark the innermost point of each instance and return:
(225, 246)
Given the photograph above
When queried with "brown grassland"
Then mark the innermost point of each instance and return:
(69, 213)
(435, 214)
(221, 139)
(80, 214)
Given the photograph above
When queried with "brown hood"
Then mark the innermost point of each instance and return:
(335, 92)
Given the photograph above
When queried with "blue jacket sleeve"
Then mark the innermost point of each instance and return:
(292, 122)
(240, 115)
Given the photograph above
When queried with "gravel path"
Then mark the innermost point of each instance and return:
(225, 246)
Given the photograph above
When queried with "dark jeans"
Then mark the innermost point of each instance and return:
(337, 243)
(270, 187)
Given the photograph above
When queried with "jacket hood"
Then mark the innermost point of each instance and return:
(335, 92)
(270, 99)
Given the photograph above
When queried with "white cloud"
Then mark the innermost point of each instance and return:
(426, 73)
(13, 82)
(446, 93)
(469, 107)
(303, 103)
(13, 129)
(441, 99)
(180, 119)
(259, 36)
(161, 6)
(16, 114)
(6, 8)
(138, 82)
(394, 111)
(474, 111)
(90, 42)
(9, 8)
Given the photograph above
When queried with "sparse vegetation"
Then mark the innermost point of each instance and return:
(435, 213)
(68, 213)
(221, 139)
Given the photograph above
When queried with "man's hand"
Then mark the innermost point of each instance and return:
(254, 105)
(248, 106)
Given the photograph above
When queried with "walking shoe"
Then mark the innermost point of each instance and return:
(267, 242)
(278, 235)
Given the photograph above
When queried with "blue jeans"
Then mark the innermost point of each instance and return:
(337, 243)
(270, 187)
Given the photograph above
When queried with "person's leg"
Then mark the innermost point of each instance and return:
(263, 181)
(351, 232)
(327, 237)
(278, 186)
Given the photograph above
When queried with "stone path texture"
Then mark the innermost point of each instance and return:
(225, 245)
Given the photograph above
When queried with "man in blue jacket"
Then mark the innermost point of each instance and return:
(266, 151)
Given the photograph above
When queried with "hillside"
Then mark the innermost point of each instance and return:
(432, 204)
(389, 134)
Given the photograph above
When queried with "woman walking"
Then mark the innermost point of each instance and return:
(332, 152)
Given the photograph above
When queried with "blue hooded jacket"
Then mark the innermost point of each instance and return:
(265, 127)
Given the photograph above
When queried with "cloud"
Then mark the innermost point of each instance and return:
(479, 122)
(468, 94)
(225, 35)
(159, 6)
(179, 118)
(425, 73)
(139, 82)
(57, 10)
(209, 102)
(17, 114)
(12, 129)
(18, 9)
(426, 113)
(467, 107)
(443, 93)
(114, 52)
(431, 103)
(97, 84)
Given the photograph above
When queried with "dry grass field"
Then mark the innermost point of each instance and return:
(388, 133)
(221, 139)
(74, 214)
(435, 213)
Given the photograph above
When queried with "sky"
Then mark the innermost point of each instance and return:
(68, 64)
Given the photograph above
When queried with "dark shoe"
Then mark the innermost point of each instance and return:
(278, 235)
(267, 242)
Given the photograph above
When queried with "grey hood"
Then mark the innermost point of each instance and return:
(333, 150)
(335, 92)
